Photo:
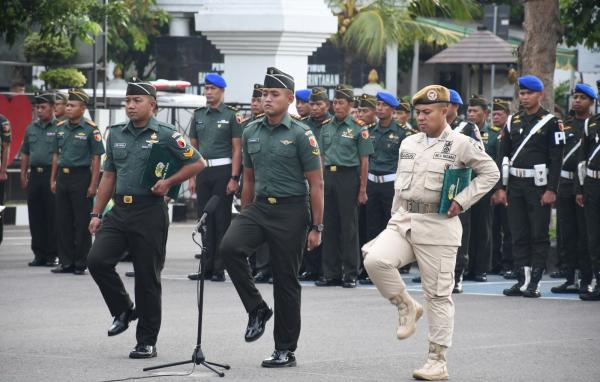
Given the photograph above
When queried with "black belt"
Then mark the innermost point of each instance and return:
(130, 200)
(40, 169)
(73, 170)
(284, 200)
(336, 168)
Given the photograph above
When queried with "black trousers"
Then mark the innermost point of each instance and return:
(573, 236)
(591, 194)
(340, 253)
(462, 255)
(41, 210)
(73, 209)
(379, 207)
(283, 227)
(213, 181)
(480, 243)
(142, 229)
(501, 239)
(529, 223)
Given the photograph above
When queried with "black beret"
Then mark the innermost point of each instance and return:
(257, 91)
(137, 87)
(319, 94)
(78, 95)
(344, 92)
(275, 78)
(44, 98)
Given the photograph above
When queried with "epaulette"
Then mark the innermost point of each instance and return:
(358, 122)
(305, 118)
(120, 124)
(90, 122)
(232, 108)
(296, 117)
(371, 125)
(325, 121)
(495, 128)
(246, 120)
(257, 116)
(60, 123)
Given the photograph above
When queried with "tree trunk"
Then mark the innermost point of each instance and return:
(348, 61)
(537, 53)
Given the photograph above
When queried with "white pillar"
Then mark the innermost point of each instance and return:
(414, 81)
(179, 25)
(391, 69)
(254, 35)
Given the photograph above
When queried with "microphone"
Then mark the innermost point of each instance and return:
(210, 207)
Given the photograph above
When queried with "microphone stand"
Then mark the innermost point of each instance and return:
(198, 357)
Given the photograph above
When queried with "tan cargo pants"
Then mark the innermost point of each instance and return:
(392, 250)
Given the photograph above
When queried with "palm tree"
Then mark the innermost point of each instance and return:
(367, 27)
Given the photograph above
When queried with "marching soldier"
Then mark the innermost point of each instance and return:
(346, 148)
(588, 195)
(501, 239)
(74, 181)
(36, 157)
(60, 104)
(281, 168)
(570, 216)
(302, 103)
(480, 241)
(5, 139)
(530, 156)
(216, 133)
(139, 220)
(417, 232)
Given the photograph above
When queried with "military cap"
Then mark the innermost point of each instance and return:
(477, 100)
(366, 100)
(78, 95)
(403, 106)
(431, 94)
(455, 97)
(215, 79)
(275, 78)
(303, 95)
(44, 98)
(388, 99)
(137, 87)
(344, 92)
(60, 96)
(500, 104)
(319, 94)
(532, 83)
(586, 89)
(257, 91)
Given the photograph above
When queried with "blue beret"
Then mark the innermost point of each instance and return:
(455, 97)
(386, 97)
(303, 95)
(532, 83)
(215, 79)
(587, 90)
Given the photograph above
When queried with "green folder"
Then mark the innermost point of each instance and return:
(455, 180)
(161, 164)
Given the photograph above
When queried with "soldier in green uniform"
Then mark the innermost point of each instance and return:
(367, 110)
(302, 103)
(501, 239)
(346, 148)
(36, 155)
(5, 139)
(530, 156)
(216, 132)
(281, 168)
(570, 216)
(402, 114)
(139, 220)
(588, 195)
(480, 242)
(60, 104)
(74, 180)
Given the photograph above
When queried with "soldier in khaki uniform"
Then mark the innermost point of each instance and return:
(417, 232)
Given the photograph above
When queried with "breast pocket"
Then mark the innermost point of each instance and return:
(434, 178)
(143, 153)
(288, 151)
(326, 138)
(405, 174)
(119, 154)
(80, 145)
(254, 148)
(32, 139)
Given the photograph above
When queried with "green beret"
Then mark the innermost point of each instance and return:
(344, 92)
(366, 100)
(476, 100)
(500, 104)
(319, 94)
(78, 95)
(431, 94)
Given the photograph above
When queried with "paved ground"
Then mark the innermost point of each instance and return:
(53, 328)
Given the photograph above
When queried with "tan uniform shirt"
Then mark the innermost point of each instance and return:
(420, 176)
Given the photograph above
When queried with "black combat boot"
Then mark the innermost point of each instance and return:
(585, 284)
(458, 282)
(595, 294)
(569, 286)
(515, 290)
(533, 286)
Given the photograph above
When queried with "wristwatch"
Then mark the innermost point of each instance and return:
(235, 177)
(94, 215)
(317, 227)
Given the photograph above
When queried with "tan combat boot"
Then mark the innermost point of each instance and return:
(435, 369)
(409, 312)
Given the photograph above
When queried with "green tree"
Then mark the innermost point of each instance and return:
(581, 22)
(366, 28)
